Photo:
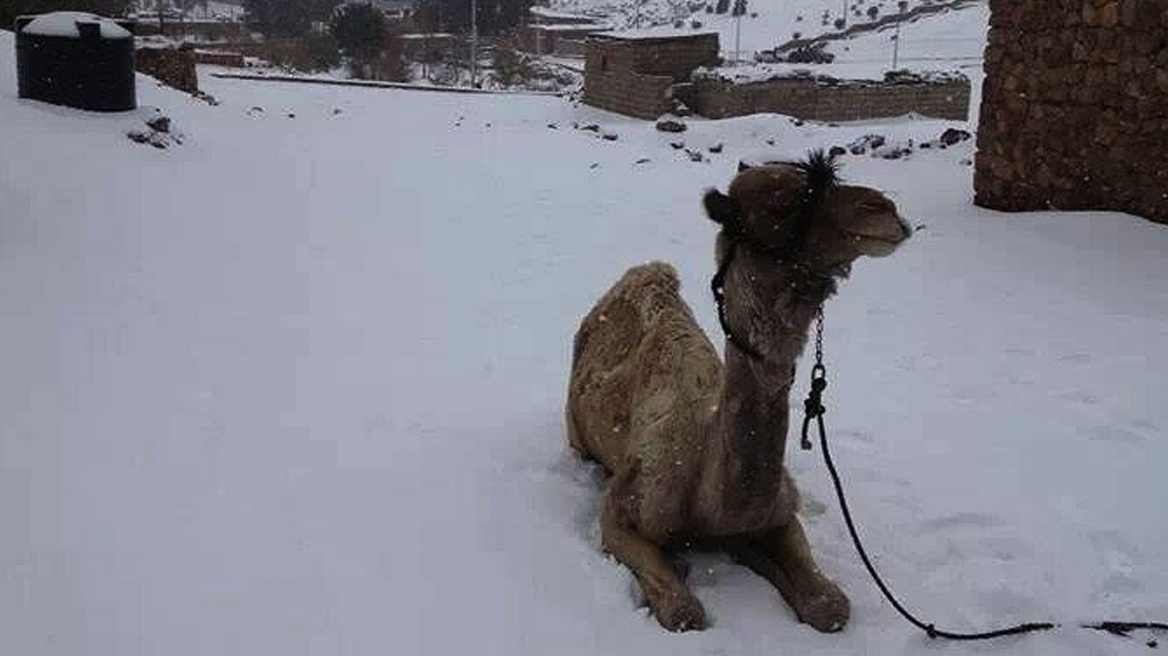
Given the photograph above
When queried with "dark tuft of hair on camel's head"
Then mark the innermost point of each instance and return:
(822, 174)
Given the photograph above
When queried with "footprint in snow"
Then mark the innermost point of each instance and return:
(1082, 398)
(1115, 434)
(960, 520)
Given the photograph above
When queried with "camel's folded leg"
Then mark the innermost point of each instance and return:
(783, 557)
(676, 608)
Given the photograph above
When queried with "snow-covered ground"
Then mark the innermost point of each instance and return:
(770, 23)
(295, 386)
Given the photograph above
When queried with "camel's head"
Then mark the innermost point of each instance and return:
(790, 227)
(799, 213)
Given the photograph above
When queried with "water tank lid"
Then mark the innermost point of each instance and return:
(67, 24)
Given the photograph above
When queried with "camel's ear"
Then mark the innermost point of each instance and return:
(721, 208)
(743, 166)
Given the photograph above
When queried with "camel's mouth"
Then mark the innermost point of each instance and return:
(876, 247)
(884, 240)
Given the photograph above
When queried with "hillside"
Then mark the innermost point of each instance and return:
(769, 24)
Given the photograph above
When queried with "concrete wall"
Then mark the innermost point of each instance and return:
(819, 101)
(1074, 109)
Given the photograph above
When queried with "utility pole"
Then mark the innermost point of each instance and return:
(738, 40)
(474, 41)
(896, 39)
(739, 9)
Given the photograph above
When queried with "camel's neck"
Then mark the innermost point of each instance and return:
(751, 421)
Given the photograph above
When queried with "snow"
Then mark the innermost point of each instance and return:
(295, 386)
(544, 12)
(766, 24)
(64, 24)
(571, 27)
(831, 73)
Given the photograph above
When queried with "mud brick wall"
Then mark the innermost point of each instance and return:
(677, 57)
(1074, 111)
(816, 100)
(174, 67)
(635, 76)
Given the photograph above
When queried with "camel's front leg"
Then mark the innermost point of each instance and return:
(676, 608)
(783, 557)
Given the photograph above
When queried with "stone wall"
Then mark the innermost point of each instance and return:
(837, 100)
(635, 76)
(1074, 110)
(676, 57)
(174, 67)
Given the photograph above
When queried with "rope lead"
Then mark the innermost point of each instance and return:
(813, 408)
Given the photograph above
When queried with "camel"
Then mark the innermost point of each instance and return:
(694, 448)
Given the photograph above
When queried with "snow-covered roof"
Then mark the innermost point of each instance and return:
(64, 24)
(829, 74)
(652, 34)
(552, 14)
(571, 27)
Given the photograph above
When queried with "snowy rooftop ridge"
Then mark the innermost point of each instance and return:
(64, 24)
(827, 74)
(549, 13)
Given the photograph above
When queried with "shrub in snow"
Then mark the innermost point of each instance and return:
(361, 34)
(311, 53)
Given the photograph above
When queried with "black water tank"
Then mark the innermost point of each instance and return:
(76, 59)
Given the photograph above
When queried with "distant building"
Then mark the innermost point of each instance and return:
(550, 32)
(394, 10)
(427, 47)
(647, 74)
(635, 74)
(564, 39)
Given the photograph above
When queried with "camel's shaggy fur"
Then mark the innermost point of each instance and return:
(695, 448)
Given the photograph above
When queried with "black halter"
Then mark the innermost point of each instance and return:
(820, 172)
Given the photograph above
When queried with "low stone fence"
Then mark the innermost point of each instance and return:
(828, 99)
(629, 93)
(174, 67)
(220, 58)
